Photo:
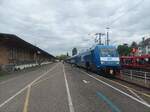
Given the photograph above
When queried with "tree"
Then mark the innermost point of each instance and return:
(62, 57)
(74, 51)
(134, 45)
(124, 50)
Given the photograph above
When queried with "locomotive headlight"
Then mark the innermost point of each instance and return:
(117, 62)
(102, 62)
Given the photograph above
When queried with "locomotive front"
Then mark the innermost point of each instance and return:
(109, 59)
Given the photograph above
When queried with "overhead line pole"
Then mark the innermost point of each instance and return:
(107, 40)
(99, 37)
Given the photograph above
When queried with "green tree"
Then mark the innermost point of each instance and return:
(62, 57)
(124, 50)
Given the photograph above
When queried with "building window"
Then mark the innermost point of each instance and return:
(139, 48)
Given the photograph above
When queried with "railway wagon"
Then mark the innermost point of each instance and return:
(100, 58)
(136, 62)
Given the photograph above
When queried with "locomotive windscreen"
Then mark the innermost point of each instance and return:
(108, 52)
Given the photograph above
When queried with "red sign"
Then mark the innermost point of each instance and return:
(134, 50)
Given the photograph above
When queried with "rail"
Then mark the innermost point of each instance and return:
(136, 74)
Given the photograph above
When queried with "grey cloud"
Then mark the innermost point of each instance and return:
(57, 26)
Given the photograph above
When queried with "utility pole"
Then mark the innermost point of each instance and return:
(107, 40)
(143, 46)
(100, 37)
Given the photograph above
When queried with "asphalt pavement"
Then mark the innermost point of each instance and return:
(60, 87)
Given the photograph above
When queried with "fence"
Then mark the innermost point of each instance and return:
(137, 74)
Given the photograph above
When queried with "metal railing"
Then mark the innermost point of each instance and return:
(136, 74)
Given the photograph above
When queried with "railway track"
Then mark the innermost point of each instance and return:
(124, 83)
(139, 91)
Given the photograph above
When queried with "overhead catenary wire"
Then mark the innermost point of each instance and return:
(119, 17)
(128, 11)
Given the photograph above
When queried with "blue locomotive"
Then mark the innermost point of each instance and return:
(99, 58)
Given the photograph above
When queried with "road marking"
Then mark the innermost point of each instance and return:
(71, 108)
(137, 95)
(20, 91)
(139, 92)
(113, 107)
(25, 109)
(129, 88)
(126, 94)
(12, 97)
(86, 82)
(40, 81)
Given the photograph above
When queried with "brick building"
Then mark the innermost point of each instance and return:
(15, 53)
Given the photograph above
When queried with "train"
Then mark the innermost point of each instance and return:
(136, 62)
(100, 58)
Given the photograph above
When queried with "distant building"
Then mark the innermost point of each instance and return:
(144, 47)
(15, 53)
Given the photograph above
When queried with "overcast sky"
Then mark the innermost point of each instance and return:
(59, 25)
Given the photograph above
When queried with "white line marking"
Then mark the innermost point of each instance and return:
(42, 80)
(20, 91)
(86, 82)
(137, 95)
(71, 108)
(12, 97)
(126, 94)
(3, 82)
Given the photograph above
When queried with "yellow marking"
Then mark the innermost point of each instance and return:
(135, 94)
(36, 81)
(139, 92)
(130, 88)
(25, 109)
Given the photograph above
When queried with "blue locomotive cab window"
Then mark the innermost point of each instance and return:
(108, 52)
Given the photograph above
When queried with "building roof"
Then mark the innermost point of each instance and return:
(11, 40)
(146, 42)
